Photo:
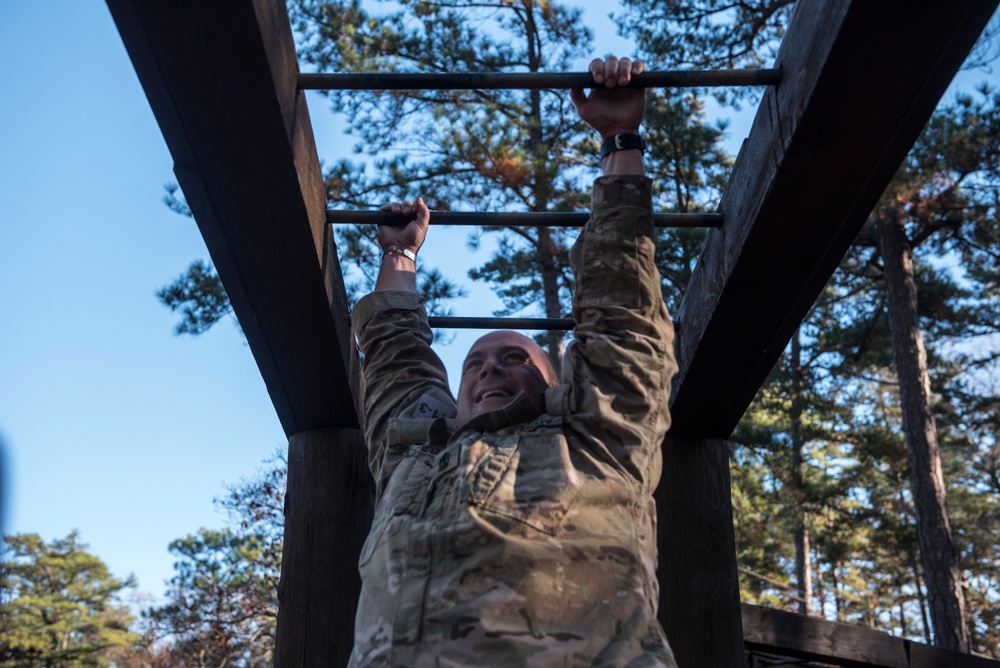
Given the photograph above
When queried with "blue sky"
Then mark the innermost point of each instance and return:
(109, 423)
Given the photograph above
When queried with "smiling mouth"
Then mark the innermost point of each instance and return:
(490, 394)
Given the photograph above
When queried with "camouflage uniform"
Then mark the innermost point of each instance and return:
(519, 538)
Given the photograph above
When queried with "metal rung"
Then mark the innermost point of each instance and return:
(516, 218)
(541, 324)
(547, 324)
(531, 80)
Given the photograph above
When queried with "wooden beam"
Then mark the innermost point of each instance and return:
(860, 80)
(221, 77)
(788, 634)
(925, 656)
(699, 586)
(798, 636)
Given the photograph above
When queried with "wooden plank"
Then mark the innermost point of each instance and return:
(798, 636)
(699, 588)
(925, 656)
(328, 510)
(860, 81)
(789, 634)
(221, 78)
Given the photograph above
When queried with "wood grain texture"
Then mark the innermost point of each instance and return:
(793, 635)
(328, 510)
(699, 589)
(221, 78)
(925, 656)
(811, 638)
(860, 80)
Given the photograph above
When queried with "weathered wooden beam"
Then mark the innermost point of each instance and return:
(222, 79)
(860, 81)
(926, 656)
(328, 510)
(810, 638)
(799, 636)
(699, 586)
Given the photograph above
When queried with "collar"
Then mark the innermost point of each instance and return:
(520, 410)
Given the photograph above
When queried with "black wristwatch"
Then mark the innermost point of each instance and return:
(621, 142)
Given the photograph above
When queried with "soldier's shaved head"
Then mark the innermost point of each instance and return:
(499, 366)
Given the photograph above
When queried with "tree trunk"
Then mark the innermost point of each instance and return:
(837, 607)
(545, 250)
(550, 293)
(922, 599)
(820, 588)
(937, 549)
(803, 569)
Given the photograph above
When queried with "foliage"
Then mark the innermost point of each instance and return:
(491, 149)
(830, 451)
(58, 604)
(709, 34)
(478, 150)
(221, 607)
(199, 296)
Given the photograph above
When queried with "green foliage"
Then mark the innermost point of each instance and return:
(854, 477)
(58, 604)
(689, 169)
(199, 296)
(823, 443)
(221, 605)
(493, 149)
(478, 150)
(709, 34)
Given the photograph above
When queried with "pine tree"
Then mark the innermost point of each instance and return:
(59, 604)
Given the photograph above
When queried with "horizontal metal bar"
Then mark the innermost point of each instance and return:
(531, 80)
(546, 324)
(515, 218)
(541, 324)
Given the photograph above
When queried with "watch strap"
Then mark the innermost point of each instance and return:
(405, 251)
(621, 142)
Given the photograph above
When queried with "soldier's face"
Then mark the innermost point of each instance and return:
(499, 366)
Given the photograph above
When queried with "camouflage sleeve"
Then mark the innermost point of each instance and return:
(403, 377)
(618, 368)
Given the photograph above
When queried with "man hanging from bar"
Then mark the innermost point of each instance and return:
(516, 526)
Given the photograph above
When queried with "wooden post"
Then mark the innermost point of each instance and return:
(328, 510)
(699, 590)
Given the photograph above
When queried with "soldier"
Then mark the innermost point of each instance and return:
(516, 526)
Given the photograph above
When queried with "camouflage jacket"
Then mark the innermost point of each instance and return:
(519, 538)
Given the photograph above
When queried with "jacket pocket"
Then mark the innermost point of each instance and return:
(528, 482)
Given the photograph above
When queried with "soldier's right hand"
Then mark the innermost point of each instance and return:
(409, 234)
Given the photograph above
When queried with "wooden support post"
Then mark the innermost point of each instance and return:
(699, 590)
(328, 510)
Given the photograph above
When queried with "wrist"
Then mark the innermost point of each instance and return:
(620, 163)
(399, 252)
(624, 129)
(622, 141)
(397, 273)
